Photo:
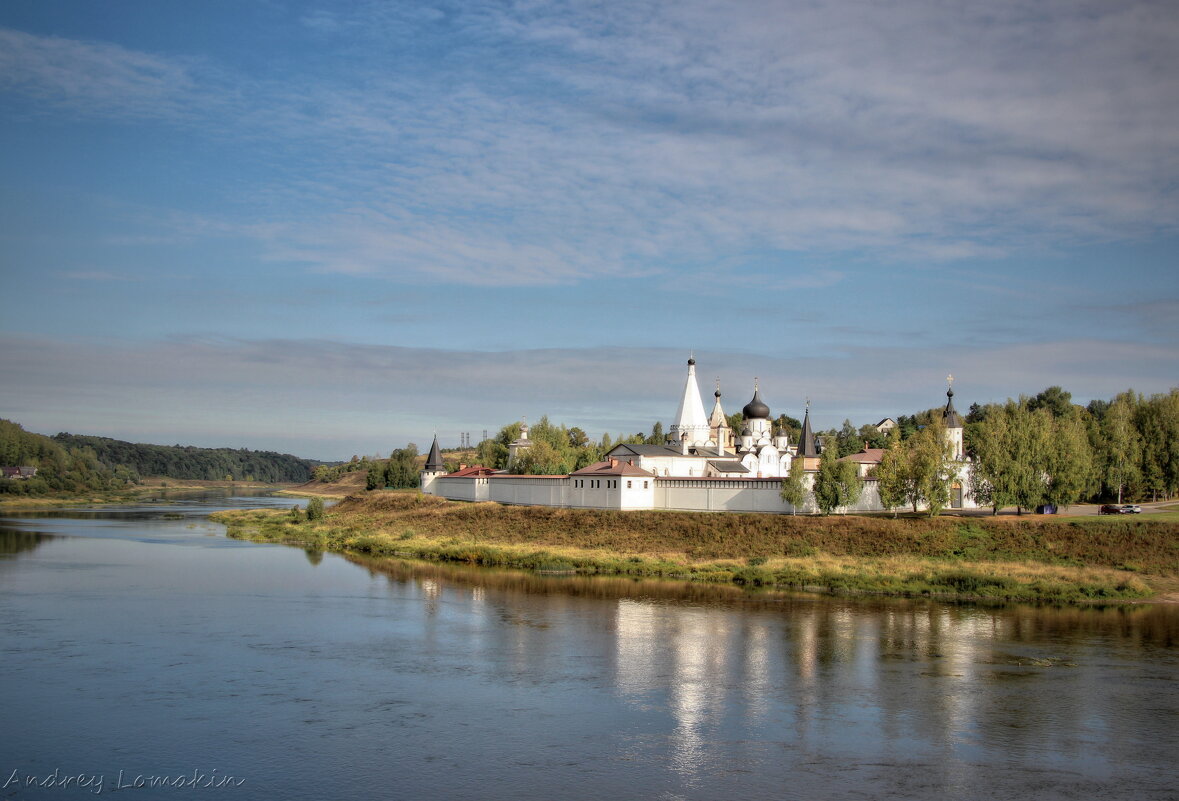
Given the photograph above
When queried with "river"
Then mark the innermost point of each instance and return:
(142, 647)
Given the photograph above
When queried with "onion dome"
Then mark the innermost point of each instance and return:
(756, 409)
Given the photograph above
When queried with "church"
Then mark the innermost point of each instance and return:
(703, 466)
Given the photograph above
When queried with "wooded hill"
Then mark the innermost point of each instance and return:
(60, 467)
(186, 461)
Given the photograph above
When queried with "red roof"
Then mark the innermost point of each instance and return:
(866, 456)
(612, 468)
(476, 470)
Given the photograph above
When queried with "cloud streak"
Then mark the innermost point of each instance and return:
(329, 399)
(561, 142)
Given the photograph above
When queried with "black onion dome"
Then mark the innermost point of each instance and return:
(691, 361)
(756, 409)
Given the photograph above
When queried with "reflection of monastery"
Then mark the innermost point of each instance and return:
(703, 467)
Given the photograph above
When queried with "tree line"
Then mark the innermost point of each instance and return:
(60, 467)
(186, 461)
(1048, 450)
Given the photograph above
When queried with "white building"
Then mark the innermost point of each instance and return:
(701, 467)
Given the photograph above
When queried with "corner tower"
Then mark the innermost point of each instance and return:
(433, 469)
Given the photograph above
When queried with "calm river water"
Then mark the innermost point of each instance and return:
(140, 645)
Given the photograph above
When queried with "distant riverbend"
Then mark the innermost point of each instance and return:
(1005, 559)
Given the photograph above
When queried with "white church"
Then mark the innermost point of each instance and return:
(703, 466)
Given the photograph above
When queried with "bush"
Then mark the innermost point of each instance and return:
(315, 509)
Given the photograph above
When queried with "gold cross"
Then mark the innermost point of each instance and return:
(950, 379)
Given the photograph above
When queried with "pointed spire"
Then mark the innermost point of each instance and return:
(434, 460)
(950, 416)
(717, 419)
(690, 418)
(806, 442)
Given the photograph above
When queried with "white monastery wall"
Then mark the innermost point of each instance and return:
(720, 495)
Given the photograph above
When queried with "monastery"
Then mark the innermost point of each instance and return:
(703, 466)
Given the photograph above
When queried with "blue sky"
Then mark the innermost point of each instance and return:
(332, 228)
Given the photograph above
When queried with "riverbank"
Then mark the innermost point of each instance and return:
(348, 484)
(1006, 559)
(147, 488)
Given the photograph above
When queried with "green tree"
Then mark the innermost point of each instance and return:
(402, 471)
(1123, 445)
(793, 489)
(848, 439)
(1157, 421)
(542, 459)
(929, 468)
(657, 436)
(375, 478)
(893, 473)
(1058, 402)
(836, 483)
(1070, 470)
(492, 453)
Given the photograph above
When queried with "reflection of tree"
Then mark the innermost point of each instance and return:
(13, 541)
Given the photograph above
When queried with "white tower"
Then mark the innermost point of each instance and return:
(690, 419)
(434, 468)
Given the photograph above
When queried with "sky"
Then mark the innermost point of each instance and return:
(332, 228)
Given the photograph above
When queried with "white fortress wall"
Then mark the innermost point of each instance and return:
(529, 490)
(720, 495)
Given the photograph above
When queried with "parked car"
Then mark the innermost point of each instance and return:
(1046, 509)
(1120, 509)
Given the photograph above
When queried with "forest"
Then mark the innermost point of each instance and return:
(66, 468)
(186, 461)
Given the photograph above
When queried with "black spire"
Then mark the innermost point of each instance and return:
(950, 417)
(806, 442)
(434, 460)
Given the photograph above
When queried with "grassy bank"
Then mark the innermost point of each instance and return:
(149, 488)
(979, 558)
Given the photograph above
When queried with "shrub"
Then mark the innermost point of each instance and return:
(315, 509)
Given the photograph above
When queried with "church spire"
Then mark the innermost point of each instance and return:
(806, 442)
(434, 460)
(689, 417)
(950, 416)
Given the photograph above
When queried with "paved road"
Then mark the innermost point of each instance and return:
(1078, 510)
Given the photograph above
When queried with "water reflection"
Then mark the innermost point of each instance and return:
(317, 677)
(948, 692)
(14, 541)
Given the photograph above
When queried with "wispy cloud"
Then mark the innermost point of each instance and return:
(324, 398)
(98, 78)
(95, 275)
(558, 142)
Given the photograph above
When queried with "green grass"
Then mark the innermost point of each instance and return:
(1062, 559)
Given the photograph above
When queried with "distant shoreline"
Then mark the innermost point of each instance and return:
(1071, 560)
(135, 494)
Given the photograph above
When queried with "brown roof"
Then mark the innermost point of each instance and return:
(476, 470)
(866, 456)
(612, 467)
